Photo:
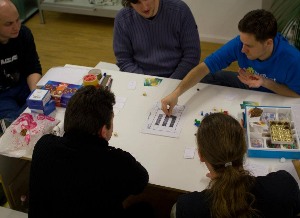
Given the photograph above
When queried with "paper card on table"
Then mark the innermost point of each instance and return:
(248, 103)
(152, 81)
(231, 97)
(189, 152)
(119, 105)
(120, 99)
(132, 85)
(116, 111)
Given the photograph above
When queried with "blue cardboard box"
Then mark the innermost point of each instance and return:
(271, 132)
(61, 92)
(48, 108)
(38, 99)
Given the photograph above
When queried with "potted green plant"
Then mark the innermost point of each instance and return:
(287, 13)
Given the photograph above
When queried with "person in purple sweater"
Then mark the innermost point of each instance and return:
(267, 62)
(156, 37)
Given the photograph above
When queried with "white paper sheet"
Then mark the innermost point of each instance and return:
(158, 123)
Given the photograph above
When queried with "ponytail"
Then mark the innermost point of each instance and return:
(221, 142)
(229, 194)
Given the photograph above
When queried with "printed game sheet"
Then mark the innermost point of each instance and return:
(158, 123)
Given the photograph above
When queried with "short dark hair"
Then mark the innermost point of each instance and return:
(88, 110)
(126, 3)
(261, 23)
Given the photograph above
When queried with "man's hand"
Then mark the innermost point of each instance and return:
(252, 80)
(168, 103)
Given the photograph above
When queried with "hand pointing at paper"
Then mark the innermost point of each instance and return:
(168, 103)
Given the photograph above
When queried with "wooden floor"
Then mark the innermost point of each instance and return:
(80, 40)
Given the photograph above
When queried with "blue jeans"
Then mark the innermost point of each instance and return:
(13, 101)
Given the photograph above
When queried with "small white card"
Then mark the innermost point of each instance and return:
(230, 97)
(119, 105)
(132, 85)
(189, 152)
(116, 111)
(120, 99)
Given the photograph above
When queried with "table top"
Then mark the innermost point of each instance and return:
(9, 213)
(163, 156)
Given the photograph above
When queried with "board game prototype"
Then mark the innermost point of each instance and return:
(271, 132)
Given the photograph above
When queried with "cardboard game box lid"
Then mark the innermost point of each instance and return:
(61, 92)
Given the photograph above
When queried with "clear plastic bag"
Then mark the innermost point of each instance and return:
(24, 132)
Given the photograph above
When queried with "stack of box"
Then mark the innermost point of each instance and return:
(61, 92)
(39, 101)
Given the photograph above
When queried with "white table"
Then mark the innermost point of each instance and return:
(9, 213)
(163, 156)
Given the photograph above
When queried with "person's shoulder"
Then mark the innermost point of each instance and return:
(280, 177)
(280, 174)
(236, 39)
(235, 44)
(48, 138)
(282, 45)
(192, 198)
(45, 143)
(124, 14)
(25, 30)
(119, 153)
(25, 33)
(194, 204)
(177, 5)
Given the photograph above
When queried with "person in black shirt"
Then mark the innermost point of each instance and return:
(20, 68)
(79, 174)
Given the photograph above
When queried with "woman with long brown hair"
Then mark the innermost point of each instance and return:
(233, 191)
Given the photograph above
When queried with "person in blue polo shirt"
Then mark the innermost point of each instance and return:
(266, 59)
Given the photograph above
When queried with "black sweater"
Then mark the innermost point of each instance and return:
(277, 195)
(18, 59)
(80, 175)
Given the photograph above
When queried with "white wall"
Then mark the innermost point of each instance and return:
(217, 20)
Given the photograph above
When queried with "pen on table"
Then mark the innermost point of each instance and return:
(168, 109)
(108, 84)
(102, 78)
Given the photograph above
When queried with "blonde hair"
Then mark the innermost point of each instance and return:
(221, 141)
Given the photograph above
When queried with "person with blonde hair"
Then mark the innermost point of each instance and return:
(233, 191)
